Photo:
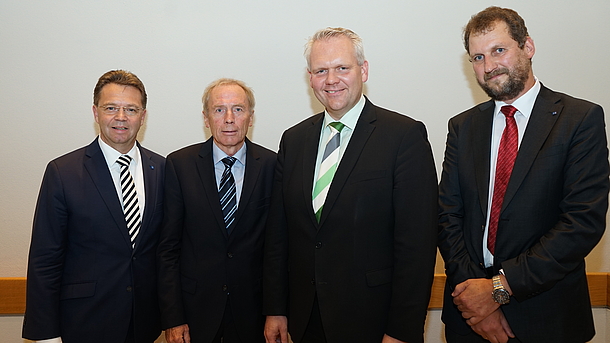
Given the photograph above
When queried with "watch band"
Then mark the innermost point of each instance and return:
(499, 293)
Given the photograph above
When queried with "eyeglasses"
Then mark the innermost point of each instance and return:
(128, 110)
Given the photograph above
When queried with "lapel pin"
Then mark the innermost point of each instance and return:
(554, 112)
(152, 167)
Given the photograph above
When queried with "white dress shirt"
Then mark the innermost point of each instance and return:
(524, 105)
(349, 119)
(238, 169)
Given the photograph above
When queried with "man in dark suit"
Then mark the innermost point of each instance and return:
(91, 272)
(358, 265)
(523, 198)
(211, 248)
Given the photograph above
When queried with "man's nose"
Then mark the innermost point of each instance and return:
(331, 77)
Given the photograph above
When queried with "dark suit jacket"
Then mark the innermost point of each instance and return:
(84, 281)
(371, 258)
(553, 214)
(199, 264)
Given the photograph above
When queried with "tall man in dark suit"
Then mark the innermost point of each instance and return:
(523, 198)
(211, 249)
(91, 269)
(356, 265)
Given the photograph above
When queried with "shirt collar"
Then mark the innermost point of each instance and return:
(111, 154)
(218, 154)
(350, 118)
(525, 103)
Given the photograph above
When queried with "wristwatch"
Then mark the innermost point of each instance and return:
(499, 294)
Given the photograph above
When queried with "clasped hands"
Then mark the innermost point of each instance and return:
(482, 313)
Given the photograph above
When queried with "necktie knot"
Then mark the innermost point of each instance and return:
(229, 161)
(508, 110)
(124, 160)
(337, 125)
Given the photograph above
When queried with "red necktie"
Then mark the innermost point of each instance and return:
(506, 159)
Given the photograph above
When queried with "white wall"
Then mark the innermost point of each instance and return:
(52, 53)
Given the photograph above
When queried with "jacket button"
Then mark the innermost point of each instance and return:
(225, 288)
(318, 245)
(229, 255)
(128, 288)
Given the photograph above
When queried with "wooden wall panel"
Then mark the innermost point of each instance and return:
(12, 292)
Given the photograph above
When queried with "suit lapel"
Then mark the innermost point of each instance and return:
(364, 127)
(98, 170)
(253, 168)
(310, 153)
(207, 175)
(151, 184)
(544, 115)
(482, 124)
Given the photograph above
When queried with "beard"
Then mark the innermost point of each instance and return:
(513, 86)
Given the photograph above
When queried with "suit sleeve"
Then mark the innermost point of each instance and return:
(275, 265)
(168, 253)
(582, 217)
(46, 259)
(415, 197)
(459, 264)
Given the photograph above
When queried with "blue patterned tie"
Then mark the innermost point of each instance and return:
(228, 196)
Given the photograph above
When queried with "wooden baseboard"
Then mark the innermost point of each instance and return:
(12, 292)
(599, 290)
(12, 295)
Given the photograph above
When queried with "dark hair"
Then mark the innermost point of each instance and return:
(120, 77)
(487, 19)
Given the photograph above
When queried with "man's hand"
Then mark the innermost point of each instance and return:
(389, 339)
(494, 328)
(276, 329)
(178, 334)
(473, 299)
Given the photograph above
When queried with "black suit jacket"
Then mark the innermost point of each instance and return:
(199, 264)
(84, 281)
(371, 258)
(553, 214)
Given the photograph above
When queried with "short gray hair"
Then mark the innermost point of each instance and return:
(205, 99)
(332, 32)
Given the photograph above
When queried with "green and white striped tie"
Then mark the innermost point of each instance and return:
(330, 160)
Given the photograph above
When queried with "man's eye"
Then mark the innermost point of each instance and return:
(500, 50)
(477, 58)
(131, 110)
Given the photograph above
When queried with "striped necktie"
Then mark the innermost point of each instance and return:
(131, 208)
(227, 194)
(330, 160)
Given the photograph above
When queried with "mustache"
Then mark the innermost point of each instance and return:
(496, 73)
